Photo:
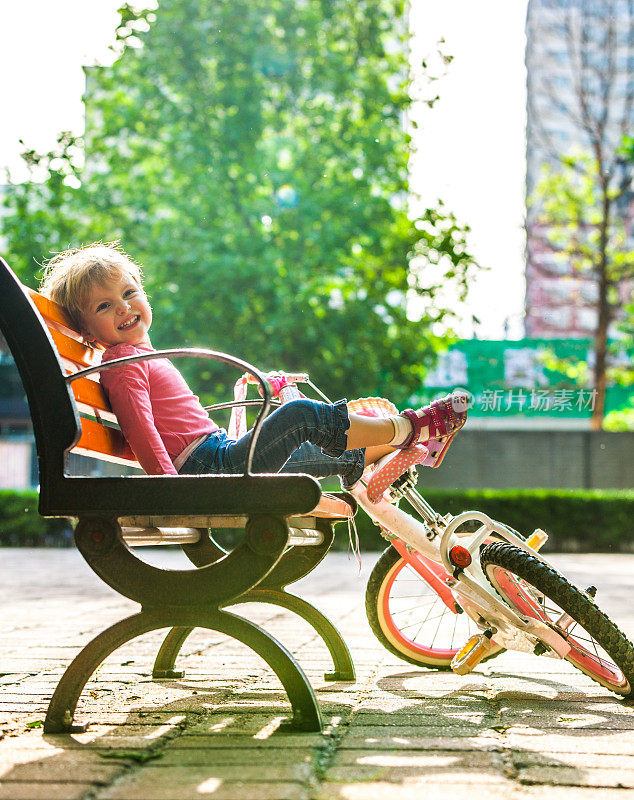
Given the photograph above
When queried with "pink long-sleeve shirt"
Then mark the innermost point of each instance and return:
(158, 413)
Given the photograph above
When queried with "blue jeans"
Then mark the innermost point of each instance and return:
(301, 436)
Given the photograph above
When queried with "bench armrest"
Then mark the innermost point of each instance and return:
(198, 352)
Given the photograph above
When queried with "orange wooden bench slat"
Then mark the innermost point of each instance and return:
(50, 310)
(109, 442)
(73, 350)
(90, 393)
(96, 438)
(88, 390)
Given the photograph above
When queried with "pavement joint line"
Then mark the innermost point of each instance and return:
(329, 747)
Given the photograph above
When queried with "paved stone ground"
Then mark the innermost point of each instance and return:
(519, 727)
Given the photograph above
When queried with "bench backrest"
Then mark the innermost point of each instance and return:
(100, 434)
(46, 346)
(56, 422)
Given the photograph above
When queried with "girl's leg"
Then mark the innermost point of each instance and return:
(338, 441)
(372, 431)
(324, 425)
(369, 431)
(327, 426)
(349, 465)
(301, 436)
(373, 454)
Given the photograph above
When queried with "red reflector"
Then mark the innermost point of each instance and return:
(459, 556)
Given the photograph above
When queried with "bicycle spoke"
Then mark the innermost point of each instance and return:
(411, 609)
(577, 633)
(437, 629)
(424, 622)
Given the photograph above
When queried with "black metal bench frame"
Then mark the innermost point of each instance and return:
(259, 568)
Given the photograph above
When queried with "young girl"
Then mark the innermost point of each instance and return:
(169, 431)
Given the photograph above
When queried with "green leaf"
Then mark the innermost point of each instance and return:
(253, 156)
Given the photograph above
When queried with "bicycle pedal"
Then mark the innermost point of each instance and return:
(537, 538)
(471, 653)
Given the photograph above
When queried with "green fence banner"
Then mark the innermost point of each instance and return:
(526, 377)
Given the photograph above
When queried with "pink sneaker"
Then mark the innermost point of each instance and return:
(443, 417)
(437, 451)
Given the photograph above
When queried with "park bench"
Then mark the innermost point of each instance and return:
(288, 522)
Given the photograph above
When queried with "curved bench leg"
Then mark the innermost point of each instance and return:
(61, 709)
(341, 658)
(306, 714)
(168, 653)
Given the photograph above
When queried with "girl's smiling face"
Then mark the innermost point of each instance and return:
(117, 312)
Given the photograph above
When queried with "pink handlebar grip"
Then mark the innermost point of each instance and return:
(291, 377)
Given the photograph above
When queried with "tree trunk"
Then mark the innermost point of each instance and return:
(603, 321)
(600, 381)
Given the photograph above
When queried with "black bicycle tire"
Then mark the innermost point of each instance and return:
(380, 572)
(570, 599)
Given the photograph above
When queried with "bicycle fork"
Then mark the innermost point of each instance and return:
(394, 522)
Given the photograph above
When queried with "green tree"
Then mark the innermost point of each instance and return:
(578, 218)
(254, 158)
(43, 212)
(581, 205)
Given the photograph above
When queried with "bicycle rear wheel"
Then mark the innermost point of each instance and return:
(409, 619)
(537, 590)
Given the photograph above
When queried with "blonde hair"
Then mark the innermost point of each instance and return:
(69, 276)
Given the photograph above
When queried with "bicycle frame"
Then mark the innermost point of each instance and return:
(426, 546)
(469, 588)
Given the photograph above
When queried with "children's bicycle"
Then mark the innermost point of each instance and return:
(452, 591)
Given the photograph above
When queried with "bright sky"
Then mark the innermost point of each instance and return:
(471, 145)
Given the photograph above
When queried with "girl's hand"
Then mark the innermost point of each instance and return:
(277, 381)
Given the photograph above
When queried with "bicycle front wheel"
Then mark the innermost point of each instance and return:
(537, 590)
(409, 618)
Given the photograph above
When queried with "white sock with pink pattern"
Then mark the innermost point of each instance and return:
(402, 430)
